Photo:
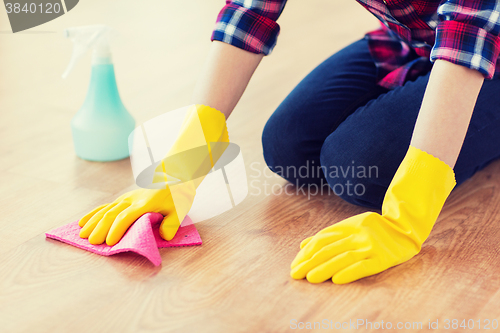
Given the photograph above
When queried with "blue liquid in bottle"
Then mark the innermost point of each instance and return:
(102, 125)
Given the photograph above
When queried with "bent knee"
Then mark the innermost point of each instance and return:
(289, 155)
(354, 175)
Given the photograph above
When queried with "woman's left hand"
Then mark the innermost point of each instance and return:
(369, 243)
(360, 246)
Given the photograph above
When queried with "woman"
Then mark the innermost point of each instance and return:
(408, 99)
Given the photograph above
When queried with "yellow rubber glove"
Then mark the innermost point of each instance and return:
(369, 243)
(110, 222)
(202, 140)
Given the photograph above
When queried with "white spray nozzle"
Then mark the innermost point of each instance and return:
(85, 38)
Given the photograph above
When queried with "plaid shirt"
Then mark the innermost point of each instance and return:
(413, 34)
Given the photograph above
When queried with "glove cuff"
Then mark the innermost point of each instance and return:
(417, 193)
(213, 123)
(202, 140)
(427, 167)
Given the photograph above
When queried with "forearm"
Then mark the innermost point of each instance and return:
(223, 80)
(226, 74)
(446, 110)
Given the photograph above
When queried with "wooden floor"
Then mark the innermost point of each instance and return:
(238, 280)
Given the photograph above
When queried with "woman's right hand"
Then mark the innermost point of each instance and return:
(109, 222)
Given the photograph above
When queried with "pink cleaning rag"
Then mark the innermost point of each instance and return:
(143, 237)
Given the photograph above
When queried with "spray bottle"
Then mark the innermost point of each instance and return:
(102, 125)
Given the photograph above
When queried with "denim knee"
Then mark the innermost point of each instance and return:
(287, 152)
(353, 174)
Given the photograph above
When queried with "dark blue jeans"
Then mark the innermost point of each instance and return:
(339, 129)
